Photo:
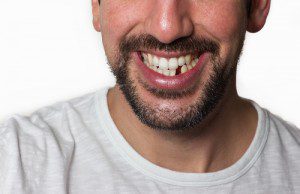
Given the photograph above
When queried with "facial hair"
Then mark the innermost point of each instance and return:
(182, 118)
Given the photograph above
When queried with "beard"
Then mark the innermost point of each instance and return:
(167, 118)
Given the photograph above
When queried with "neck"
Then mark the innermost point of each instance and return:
(218, 142)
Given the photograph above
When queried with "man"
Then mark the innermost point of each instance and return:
(173, 123)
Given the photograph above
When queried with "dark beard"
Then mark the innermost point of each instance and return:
(169, 119)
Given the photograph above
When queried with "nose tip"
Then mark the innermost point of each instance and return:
(169, 21)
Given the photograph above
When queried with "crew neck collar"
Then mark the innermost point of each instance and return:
(165, 175)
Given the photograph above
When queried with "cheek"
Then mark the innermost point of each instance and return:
(223, 20)
(117, 19)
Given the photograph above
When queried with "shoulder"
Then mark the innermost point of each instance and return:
(280, 132)
(284, 129)
(45, 121)
(283, 145)
(29, 144)
(278, 162)
(48, 122)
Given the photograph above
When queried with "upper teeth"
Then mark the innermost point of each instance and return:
(173, 63)
(168, 66)
(181, 61)
(163, 63)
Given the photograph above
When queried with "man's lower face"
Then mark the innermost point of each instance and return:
(172, 86)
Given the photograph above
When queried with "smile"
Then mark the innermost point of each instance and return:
(174, 71)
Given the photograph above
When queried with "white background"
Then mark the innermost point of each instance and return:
(49, 52)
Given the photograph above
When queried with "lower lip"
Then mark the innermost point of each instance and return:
(177, 82)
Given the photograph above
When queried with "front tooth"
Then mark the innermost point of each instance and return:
(181, 61)
(189, 67)
(163, 63)
(155, 61)
(173, 63)
(184, 69)
(172, 72)
(188, 59)
(166, 72)
(150, 58)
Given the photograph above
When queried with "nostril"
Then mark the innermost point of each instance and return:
(168, 32)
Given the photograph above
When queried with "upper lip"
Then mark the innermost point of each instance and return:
(167, 54)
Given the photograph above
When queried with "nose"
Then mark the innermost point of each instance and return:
(169, 20)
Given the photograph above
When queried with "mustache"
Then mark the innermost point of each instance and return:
(184, 44)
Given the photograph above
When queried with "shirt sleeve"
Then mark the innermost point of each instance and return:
(32, 157)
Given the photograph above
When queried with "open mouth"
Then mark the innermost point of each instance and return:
(171, 66)
(170, 70)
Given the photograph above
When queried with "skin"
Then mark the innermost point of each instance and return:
(226, 133)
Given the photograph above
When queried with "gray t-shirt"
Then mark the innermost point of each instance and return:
(75, 147)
